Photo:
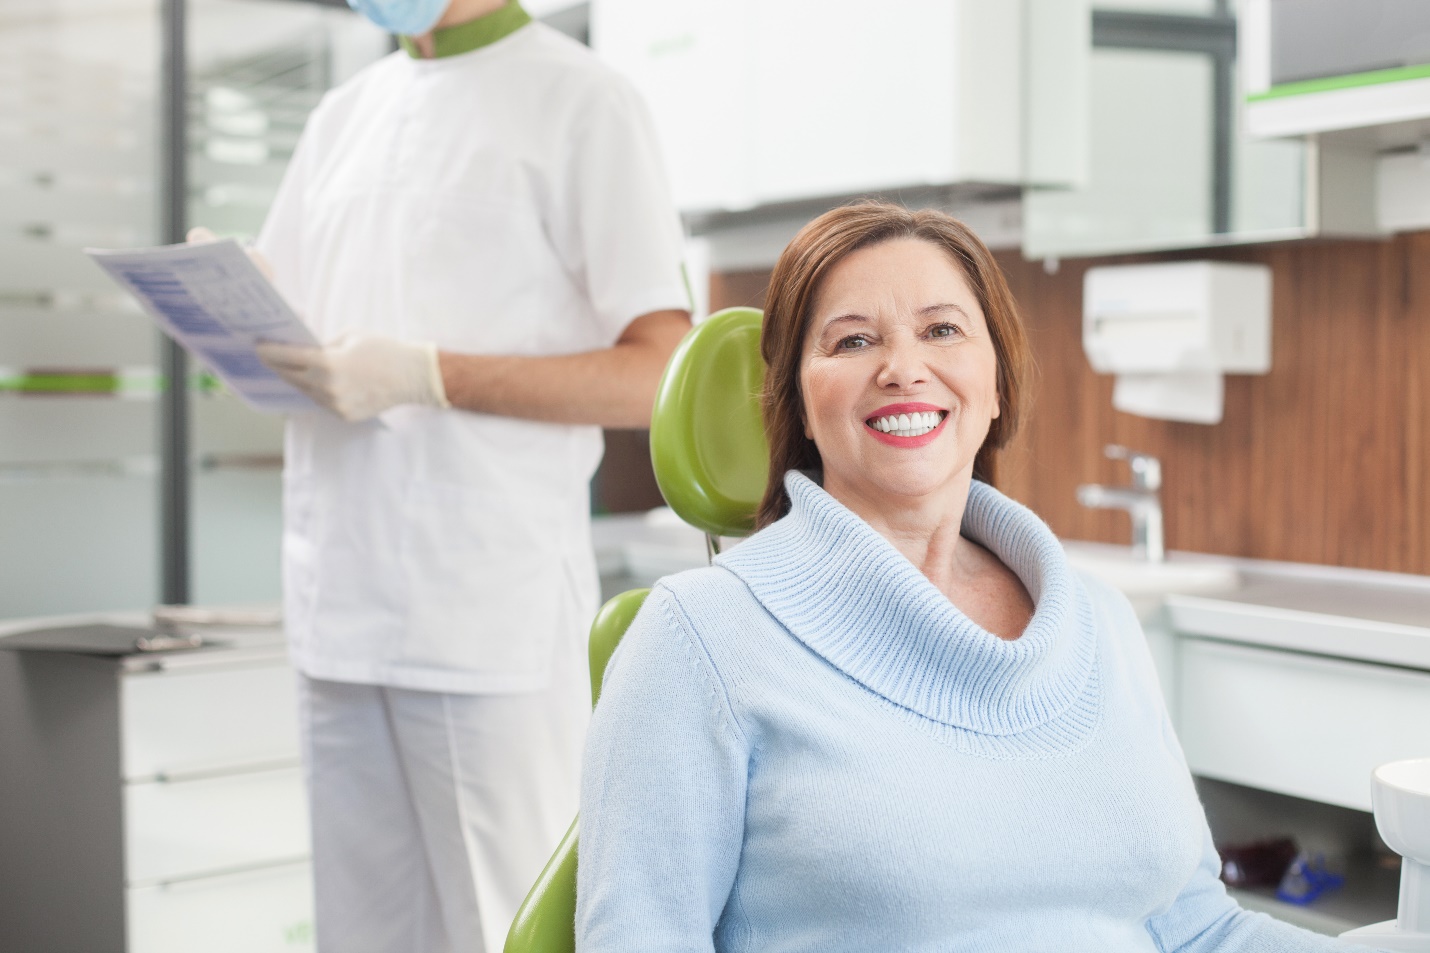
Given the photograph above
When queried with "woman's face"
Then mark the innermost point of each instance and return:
(899, 375)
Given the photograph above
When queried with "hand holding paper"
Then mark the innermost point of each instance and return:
(212, 299)
(361, 375)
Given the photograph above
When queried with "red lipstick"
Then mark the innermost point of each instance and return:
(908, 443)
(903, 409)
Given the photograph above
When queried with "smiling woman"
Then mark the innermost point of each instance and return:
(894, 718)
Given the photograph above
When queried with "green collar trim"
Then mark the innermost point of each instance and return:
(474, 34)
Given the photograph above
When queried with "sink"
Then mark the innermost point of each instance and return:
(1188, 573)
(1144, 583)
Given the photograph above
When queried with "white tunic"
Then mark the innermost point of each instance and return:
(507, 200)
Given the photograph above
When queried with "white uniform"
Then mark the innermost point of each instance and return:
(506, 200)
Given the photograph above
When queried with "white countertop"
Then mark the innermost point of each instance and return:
(228, 645)
(1347, 613)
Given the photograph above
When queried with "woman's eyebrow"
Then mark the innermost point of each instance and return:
(852, 317)
(941, 308)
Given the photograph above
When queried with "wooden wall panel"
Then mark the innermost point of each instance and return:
(1324, 460)
(738, 289)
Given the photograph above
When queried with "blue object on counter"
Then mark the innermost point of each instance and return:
(1307, 879)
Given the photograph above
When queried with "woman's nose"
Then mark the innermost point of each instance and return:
(903, 365)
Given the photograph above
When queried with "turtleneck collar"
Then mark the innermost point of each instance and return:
(474, 34)
(844, 591)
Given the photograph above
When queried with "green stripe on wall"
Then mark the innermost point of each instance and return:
(100, 384)
(61, 383)
(1371, 78)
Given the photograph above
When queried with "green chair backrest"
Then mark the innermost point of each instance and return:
(708, 448)
(707, 438)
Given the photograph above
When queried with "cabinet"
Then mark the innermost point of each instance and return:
(1324, 66)
(153, 803)
(761, 102)
(1303, 725)
(1304, 679)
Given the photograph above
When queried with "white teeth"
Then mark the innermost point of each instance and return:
(908, 425)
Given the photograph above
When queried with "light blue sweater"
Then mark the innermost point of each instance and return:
(807, 747)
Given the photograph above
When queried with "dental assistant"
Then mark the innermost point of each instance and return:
(479, 229)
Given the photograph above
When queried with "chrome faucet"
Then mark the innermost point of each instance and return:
(1140, 500)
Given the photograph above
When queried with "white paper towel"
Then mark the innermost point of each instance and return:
(1189, 396)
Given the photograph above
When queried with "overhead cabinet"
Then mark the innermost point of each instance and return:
(760, 102)
(1327, 66)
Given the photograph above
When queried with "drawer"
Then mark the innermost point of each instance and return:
(183, 721)
(262, 911)
(1298, 724)
(213, 825)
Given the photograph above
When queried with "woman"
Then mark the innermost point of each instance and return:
(893, 718)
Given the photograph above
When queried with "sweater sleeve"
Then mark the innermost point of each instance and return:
(1204, 918)
(662, 794)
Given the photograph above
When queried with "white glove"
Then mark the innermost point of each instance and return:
(361, 375)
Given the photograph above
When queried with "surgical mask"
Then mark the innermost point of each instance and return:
(403, 17)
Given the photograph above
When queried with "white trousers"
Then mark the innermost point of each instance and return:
(432, 813)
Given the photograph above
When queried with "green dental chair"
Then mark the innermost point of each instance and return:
(708, 448)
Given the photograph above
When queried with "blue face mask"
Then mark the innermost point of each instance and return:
(403, 17)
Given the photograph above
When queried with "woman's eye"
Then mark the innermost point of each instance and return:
(852, 343)
(944, 330)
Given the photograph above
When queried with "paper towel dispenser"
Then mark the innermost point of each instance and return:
(1169, 331)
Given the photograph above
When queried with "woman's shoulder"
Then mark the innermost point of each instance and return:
(694, 633)
(1110, 604)
(705, 613)
(1120, 631)
(705, 600)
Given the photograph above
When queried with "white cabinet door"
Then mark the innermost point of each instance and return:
(691, 60)
(855, 96)
(265, 911)
(213, 825)
(767, 101)
(1298, 724)
(177, 722)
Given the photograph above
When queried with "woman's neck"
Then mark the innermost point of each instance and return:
(925, 529)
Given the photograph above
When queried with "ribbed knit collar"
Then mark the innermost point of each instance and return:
(843, 590)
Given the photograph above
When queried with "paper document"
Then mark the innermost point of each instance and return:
(213, 300)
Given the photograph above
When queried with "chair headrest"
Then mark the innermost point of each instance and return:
(707, 439)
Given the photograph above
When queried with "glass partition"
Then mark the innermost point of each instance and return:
(78, 166)
(256, 68)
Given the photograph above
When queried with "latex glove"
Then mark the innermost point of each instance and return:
(198, 234)
(361, 375)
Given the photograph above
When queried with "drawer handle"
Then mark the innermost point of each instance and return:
(203, 774)
(217, 872)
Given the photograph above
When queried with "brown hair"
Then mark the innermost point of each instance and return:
(796, 280)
